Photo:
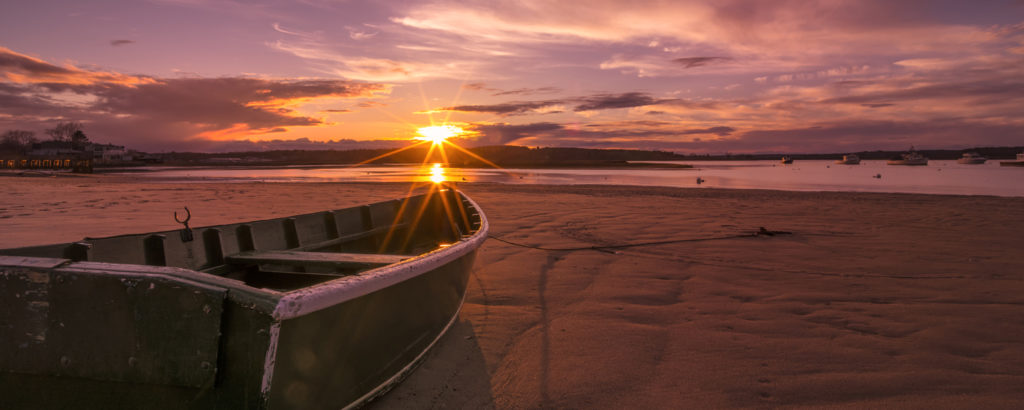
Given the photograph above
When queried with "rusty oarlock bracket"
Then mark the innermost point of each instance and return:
(186, 234)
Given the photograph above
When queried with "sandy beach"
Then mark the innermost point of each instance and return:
(873, 300)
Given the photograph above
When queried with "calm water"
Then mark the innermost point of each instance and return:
(939, 177)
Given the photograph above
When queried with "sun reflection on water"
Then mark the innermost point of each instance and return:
(437, 174)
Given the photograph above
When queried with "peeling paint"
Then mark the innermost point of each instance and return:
(271, 359)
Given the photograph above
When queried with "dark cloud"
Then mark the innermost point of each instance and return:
(14, 62)
(371, 104)
(528, 91)
(518, 91)
(589, 103)
(993, 89)
(295, 144)
(165, 111)
(603, 135)
(19, 101)
(691, 62)
(337, 111)
(877, 105)
(857, 135)
(475, 87)
(647, 129)
(498, 134)
(849, 136)
(609, 101)
(505, 109)
(221, 103)
(117, 43)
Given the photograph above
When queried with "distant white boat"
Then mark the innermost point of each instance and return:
(909, 158)
(851, 159)
(1018, 163)
(972, 158)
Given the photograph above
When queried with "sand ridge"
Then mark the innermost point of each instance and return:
(875, 300)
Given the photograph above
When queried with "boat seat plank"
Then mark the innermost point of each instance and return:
(314, 258)
(352, 237)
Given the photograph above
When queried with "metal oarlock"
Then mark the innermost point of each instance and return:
(186, 233)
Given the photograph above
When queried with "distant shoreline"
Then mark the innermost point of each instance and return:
(530, 165)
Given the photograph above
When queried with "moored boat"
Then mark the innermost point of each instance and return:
(971, 158)
(851, 159)
(908, 158)
(321, 310)
(787, 160)
(1018, 163)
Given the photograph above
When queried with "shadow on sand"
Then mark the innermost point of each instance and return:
(453, 375)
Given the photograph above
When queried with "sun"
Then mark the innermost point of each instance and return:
(438, 133)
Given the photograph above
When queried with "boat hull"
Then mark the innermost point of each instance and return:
(907, 162)
(91, 334)
(1011, 164)
(970, 161)
(347, 354)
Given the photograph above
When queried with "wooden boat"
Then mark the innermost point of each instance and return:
(322, 310)
(787, 160)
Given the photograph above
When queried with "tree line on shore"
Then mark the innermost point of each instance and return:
(21, 141)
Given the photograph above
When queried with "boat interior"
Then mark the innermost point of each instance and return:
(290, 253)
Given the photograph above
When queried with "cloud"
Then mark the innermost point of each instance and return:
(358, 34)
(248, 145)
(326, 59)
(691, 62)
(761, 36)
(117, 43)
(476, 87)
(588, 103)
(172, 109)
(20, 68)
(337, 111)
(856, 135)
(624, 100)
(499, 134)
(513, 108)
(518, 91)
(528, 91)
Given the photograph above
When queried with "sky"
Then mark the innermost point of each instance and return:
(737, 76)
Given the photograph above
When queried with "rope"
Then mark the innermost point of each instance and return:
(605, 248)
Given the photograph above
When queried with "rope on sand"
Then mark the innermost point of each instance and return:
(606, 248)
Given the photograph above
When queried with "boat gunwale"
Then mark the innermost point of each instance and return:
(282, 305)
(303, 301)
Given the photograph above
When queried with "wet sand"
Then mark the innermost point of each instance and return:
(874, 300)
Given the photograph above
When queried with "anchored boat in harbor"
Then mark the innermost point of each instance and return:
(1018, 163)
(908, 158)
(322, 310)
(851, 159)
(971, 158)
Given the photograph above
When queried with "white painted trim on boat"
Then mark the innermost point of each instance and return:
(271, 359)
(308, 300)
(402, 374)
